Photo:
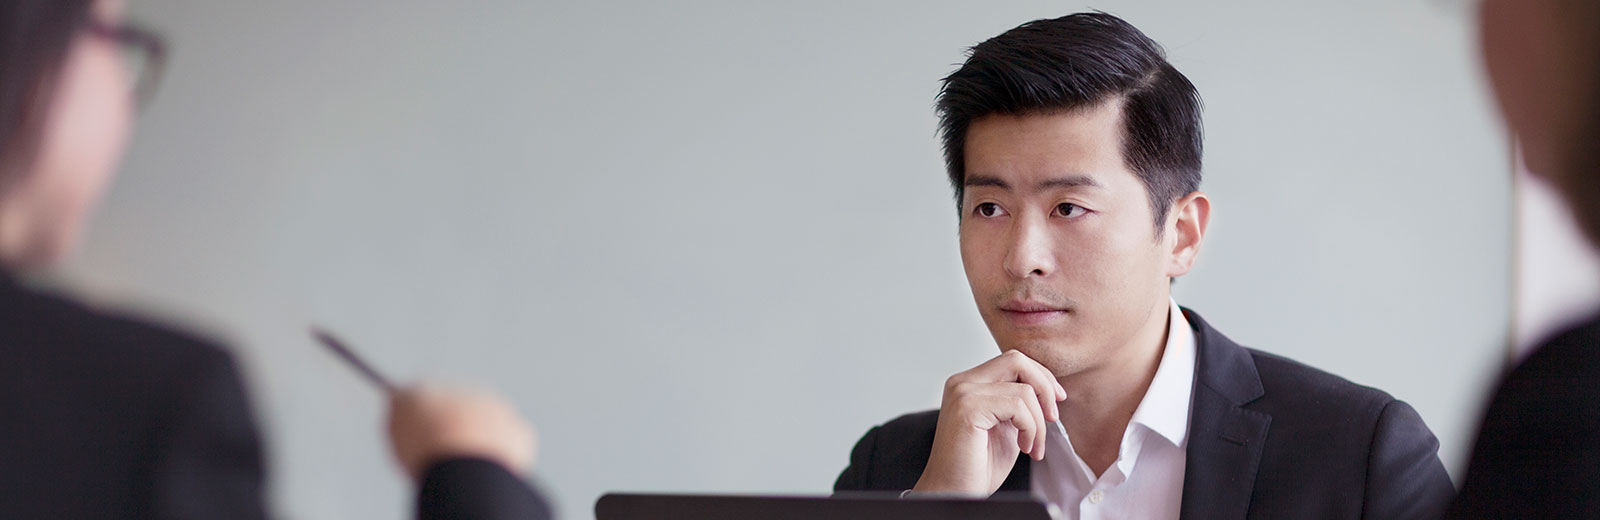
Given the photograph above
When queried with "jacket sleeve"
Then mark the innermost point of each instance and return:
(207, 462)
(855, 476)
(476, 489)
(1405, 479)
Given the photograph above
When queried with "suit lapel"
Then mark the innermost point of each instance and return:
(1225, 439)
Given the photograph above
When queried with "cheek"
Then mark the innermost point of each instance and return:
(83, 135)
(981, 257)
(1091, 262)
(1110, 261)
(87, 128)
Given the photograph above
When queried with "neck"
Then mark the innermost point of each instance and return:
(1101, 401)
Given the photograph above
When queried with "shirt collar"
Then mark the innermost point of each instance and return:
(1165, 407)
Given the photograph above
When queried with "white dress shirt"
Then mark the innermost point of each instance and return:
(1146, 482)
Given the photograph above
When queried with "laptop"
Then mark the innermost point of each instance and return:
(852, 506)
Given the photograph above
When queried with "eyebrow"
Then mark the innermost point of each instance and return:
(1070, 181)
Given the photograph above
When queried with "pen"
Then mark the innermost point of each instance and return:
(350, 357)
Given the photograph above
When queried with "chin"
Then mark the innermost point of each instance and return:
(1057, 355)
(46, 251)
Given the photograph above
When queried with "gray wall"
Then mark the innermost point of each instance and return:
(706, 245)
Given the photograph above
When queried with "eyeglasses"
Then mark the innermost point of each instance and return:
(144, 52)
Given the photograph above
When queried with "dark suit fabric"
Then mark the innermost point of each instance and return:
(107, 417)
(472, 489)
(1538, 452)
(103, 416)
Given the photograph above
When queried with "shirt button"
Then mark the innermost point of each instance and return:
(1096, 496)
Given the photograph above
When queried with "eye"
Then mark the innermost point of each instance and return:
(1070, 210)
(988, 210)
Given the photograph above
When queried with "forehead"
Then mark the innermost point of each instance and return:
(1032, 147)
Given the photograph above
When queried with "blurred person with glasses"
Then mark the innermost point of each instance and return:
(103, 415)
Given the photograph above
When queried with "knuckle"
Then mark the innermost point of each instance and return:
(960, 400)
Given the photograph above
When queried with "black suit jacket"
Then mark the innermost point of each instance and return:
(1268, 438)
(1538, 453)
(472, 489)
(106, 417)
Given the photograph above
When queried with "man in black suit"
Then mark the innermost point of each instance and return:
(1538, 453)
(1074, 149)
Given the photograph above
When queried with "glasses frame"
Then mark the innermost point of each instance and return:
(147, 44)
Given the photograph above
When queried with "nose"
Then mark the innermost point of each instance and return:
(1029, 253)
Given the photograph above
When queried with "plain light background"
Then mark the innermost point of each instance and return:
(706, 245)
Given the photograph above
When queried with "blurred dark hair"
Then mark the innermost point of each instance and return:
(34, 38)
(1579, 177)
(1588, 147)
(1074, 62)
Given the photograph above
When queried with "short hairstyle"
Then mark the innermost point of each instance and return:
(1583, 187)
(34, 38)
(1576, 174)
(1079, 61)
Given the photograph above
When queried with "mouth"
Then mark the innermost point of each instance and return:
(1032, 314)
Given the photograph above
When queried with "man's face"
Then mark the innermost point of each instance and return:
(1058, 237)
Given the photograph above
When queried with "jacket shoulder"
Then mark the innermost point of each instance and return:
(1570, 355)
(1552, 397)
(911, 426)
(1330, 439)
(891, 456)
(1290, 383)
(55, 339)
(36, 316)
(1539, 432)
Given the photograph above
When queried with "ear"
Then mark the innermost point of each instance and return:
(1190, 215)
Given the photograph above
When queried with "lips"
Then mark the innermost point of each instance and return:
(1032, 314)
(1026, 306)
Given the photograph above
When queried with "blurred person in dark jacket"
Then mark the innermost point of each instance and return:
(106, 416)
(1538, 452)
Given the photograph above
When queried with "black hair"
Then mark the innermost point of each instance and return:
(1587, 163)
(34, 38)
(1079, 61)
(1577, 176)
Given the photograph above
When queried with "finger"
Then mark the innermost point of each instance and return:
(1041, 376)
(1006, 368)
(1025, 421)
(993, 403)
(1052, 406)
(1024, 369)
(416, 395)
(1050, 375)
(400, 404)
(1026, 394)
(999, 369)
(1016, 403)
